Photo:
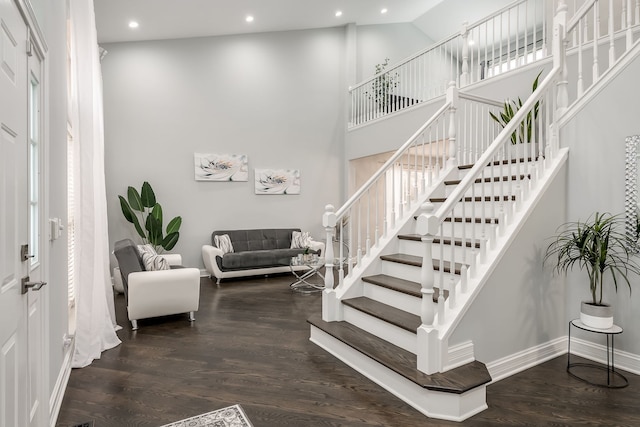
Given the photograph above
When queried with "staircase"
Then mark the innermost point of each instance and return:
(418, 243)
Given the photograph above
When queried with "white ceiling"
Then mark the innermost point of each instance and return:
(171, 19)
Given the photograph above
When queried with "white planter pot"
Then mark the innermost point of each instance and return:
(596, 316)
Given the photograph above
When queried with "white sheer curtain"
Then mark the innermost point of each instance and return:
(96, 326)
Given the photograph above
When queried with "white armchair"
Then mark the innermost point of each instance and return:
(156, 293)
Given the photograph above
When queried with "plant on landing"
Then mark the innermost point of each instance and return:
(383, 85)
(596, 246)
(509, 110)
(141, 208)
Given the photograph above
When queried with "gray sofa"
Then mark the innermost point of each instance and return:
(255, 252)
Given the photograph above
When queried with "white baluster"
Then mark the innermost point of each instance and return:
(329, 222)
(464, 279)
(637, 9)
(464, 77)
(629, 21)
(612, 49)
(596, 68)
(453, 99)
(580, 80)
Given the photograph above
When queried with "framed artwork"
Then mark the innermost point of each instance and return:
(221, 167)
(277, 181)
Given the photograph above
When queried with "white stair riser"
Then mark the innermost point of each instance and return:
(399, 300)
(412, 247)
(479, 209)
(481, 231)
(502, 170)
(384, 330)
(498, 188)
(412, 273)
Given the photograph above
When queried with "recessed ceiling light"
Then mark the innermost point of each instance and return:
(133, 24)
(338, 13)
(383, 11)
(249, 18)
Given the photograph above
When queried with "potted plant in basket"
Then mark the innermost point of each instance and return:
(598, 247)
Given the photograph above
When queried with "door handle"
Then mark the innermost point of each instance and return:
(26, 285)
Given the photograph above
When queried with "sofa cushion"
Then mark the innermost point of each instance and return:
(258, 239)
(258, 259)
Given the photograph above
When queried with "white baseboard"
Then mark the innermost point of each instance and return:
(460, 354)
(598, 353)
(57, 395)
(518, 362)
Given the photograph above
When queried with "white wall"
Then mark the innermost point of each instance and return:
(393, 41)
(596, 139)
(520, 306)
(276, 97)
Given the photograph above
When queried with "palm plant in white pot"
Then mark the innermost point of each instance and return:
(598, 247)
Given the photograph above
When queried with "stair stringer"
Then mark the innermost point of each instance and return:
(495, 253)
(371, 263)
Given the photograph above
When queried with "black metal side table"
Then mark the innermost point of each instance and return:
(612, 374)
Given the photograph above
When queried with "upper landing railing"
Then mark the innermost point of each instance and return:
(510, 38)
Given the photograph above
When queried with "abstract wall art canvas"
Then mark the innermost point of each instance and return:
(277, 181)
(221, 167)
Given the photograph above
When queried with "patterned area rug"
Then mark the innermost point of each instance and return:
(232, 416)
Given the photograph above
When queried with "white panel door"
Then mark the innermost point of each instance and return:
(14, 214)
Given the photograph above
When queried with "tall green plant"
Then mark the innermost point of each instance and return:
(141, 209)
(509, 110)
(596, 246)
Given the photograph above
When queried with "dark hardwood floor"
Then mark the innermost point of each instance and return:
(250, 345)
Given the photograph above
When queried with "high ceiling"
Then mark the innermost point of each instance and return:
(170, 19)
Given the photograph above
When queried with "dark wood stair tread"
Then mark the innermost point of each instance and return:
(497, 163)
(469, 220)
(402, 319)
(446, 241)
(416, 261)
(477, 199)
(458, 380)
(489, 179)
(400, 285)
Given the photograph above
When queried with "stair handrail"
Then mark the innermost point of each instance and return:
(392, 160)
(440, 43)
(430, 166)
(502, 138)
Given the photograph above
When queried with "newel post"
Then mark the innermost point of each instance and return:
(453, 99)
(427, 227)
(559, 55)
(464, 77)
(428, 345)
(329, 223)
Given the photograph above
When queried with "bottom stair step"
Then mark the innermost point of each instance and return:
(457, 381)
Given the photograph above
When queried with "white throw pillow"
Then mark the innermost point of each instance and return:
(300, 240)
(223, 242)
(151, 260)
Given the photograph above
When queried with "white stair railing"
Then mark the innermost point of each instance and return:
(393, 192)
(598, 34)
(507, 39)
